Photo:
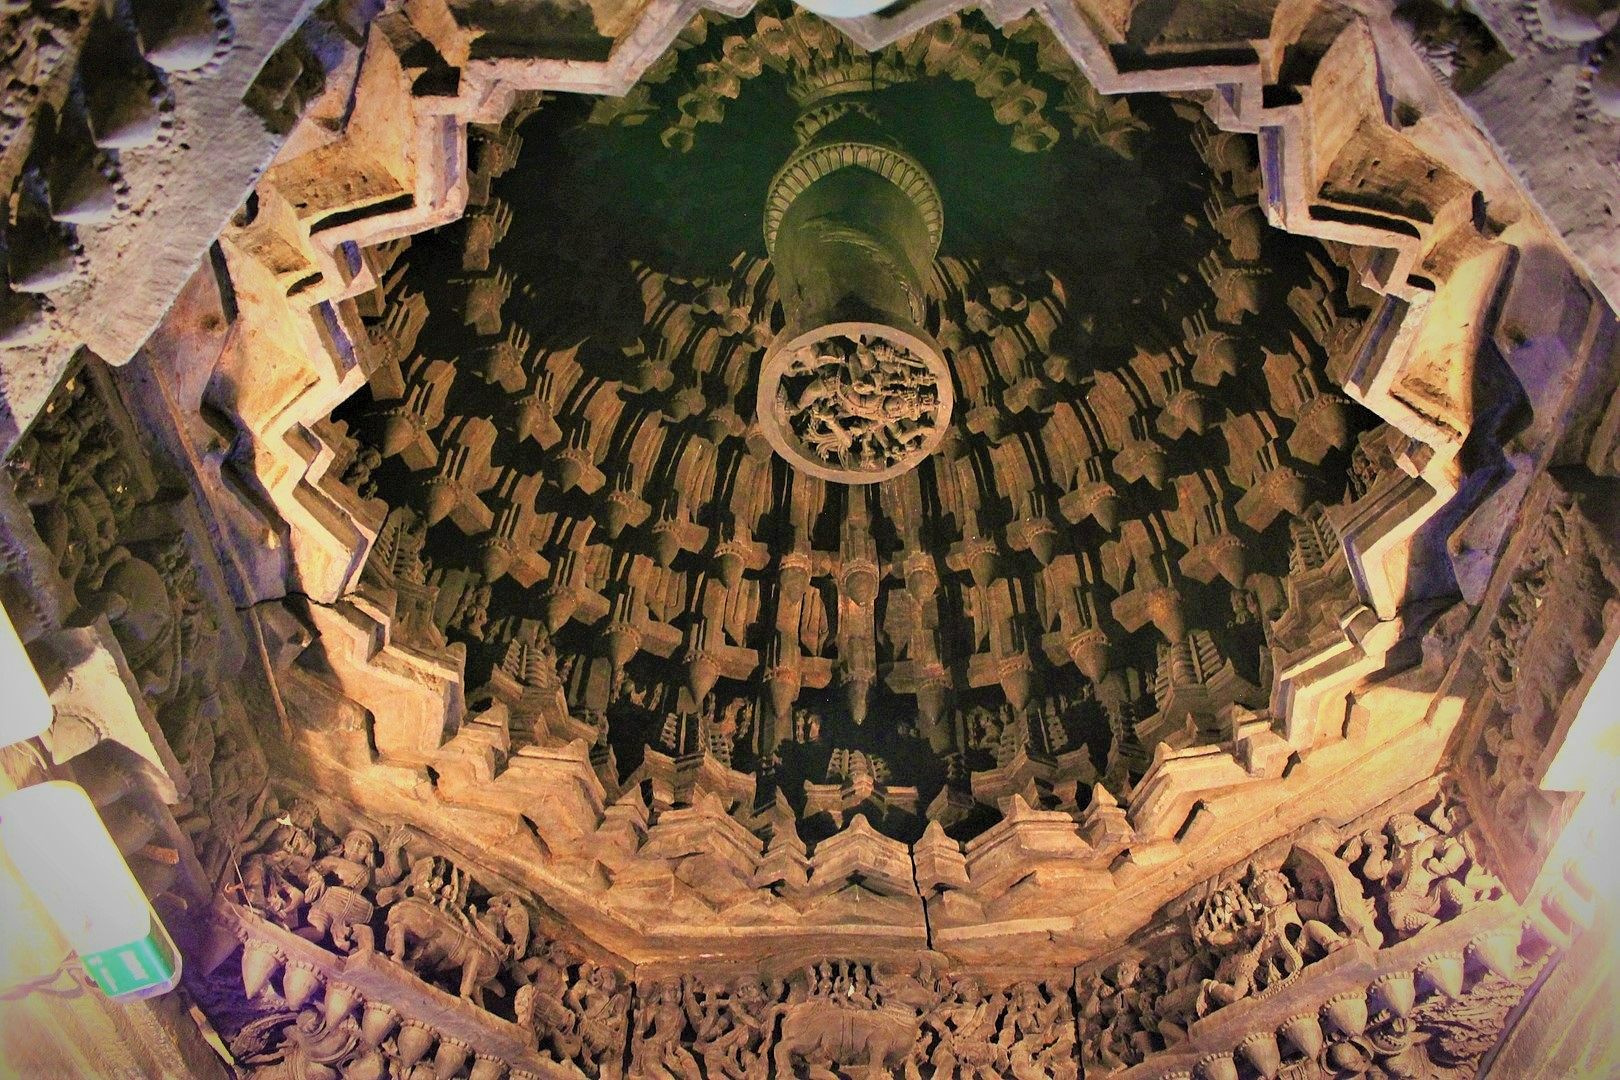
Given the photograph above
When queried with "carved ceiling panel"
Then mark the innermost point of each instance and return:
(1045, 669)
(560, 438)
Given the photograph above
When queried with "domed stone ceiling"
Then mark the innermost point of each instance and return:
(573, 482)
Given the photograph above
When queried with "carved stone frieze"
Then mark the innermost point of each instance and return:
(1425, 997)
(857, 408)
(1556, 596)
(120, 575)
(342, 936)
(1250, 933)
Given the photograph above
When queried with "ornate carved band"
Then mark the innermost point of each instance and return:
(811, 163)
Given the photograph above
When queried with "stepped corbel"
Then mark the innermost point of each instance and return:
(1183, 407)
(857, 667)
(1124, 411)
(858, 574)
(536, 415)
(784, 676)
(1214, 352)
(392, 339)
(1092, 495)
(1200, 525)
(918, 569)
(1240, 224)
(924, 675)
(675, 532)
(1081, 603)
(1033, 529)
(465, 473)
(570, 595)
(496, 152)
(708, 656)
(1016, 772)
(485, 296)
(631, 629)
(1236, 288)
(408, 426)
(1259, 465)
(1321, 416)
(1142, 561)
(736, 551)
(510, 548)
(706, 848)
(1005, 661)
(484, 229)
(977, 552)
(1231, 156)
(504, 362)
(576, 461)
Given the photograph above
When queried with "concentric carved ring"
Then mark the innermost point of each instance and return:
(817, 160)
(855, 402)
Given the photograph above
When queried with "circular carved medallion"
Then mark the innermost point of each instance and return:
(855, 402)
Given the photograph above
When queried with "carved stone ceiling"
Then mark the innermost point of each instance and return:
(1146, 437)
(558, 647)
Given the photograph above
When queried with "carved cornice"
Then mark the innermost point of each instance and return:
(1401, 949)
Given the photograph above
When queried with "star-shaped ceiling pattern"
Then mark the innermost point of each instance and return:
(1146, 436)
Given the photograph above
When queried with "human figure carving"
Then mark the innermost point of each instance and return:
(658, 1052)
(967, 1048)
(1263, 940)
(1037, 1036)
(336, 889)
(540, 1003)
(599, 1002)
(858, 404)
(731, 1036)
(1427, 875)
(281, 855)
(302, 1047)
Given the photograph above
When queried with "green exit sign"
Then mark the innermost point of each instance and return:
(143, 968)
